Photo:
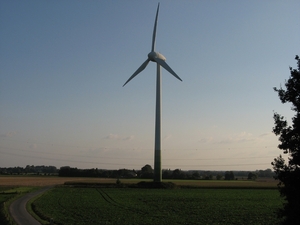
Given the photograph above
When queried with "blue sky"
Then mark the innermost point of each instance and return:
(63, 64)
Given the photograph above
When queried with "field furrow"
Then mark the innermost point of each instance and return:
(156, 206)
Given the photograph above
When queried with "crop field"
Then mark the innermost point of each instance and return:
(78, 205)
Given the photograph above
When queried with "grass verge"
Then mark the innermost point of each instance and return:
(13, 193)
(32, 212)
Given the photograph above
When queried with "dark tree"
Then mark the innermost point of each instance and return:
(196, 175)
(229, 175)
(166, 174)
(288, 173)
(252, 176)
(178, 174)
(219, 177)
(147, 171)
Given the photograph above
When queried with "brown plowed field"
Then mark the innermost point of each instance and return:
(40, 181)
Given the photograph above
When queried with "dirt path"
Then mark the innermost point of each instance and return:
(18, 209)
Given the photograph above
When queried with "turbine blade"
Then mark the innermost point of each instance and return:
(167, 67)
(154, 30)
(140, 69)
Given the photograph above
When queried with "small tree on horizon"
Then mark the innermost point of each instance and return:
(147, 171)
(229, 175)
(288, 173)
(252, 176)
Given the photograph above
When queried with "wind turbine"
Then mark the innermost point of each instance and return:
(160, 61)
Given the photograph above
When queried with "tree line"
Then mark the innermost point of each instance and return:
(29, 169)
(145, 172)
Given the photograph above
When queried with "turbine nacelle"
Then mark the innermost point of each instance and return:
(153, 56)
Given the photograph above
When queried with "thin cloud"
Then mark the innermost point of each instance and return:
(206, 140)
(33, 146)
(129, 138)
(97, 150)
(112, 137)
(118, 137)
(8, 134)
(167, 137)
(241, 137)
(268, 134)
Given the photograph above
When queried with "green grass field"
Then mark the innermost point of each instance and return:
(78, 206)
(7, 195)
(260, 184)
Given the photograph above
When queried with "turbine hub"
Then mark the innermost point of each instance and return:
(153, 55)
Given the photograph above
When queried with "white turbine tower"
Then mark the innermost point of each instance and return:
(160, 61)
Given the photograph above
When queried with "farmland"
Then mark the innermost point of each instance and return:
(41, 181)
(70, 205)
(196, 202)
